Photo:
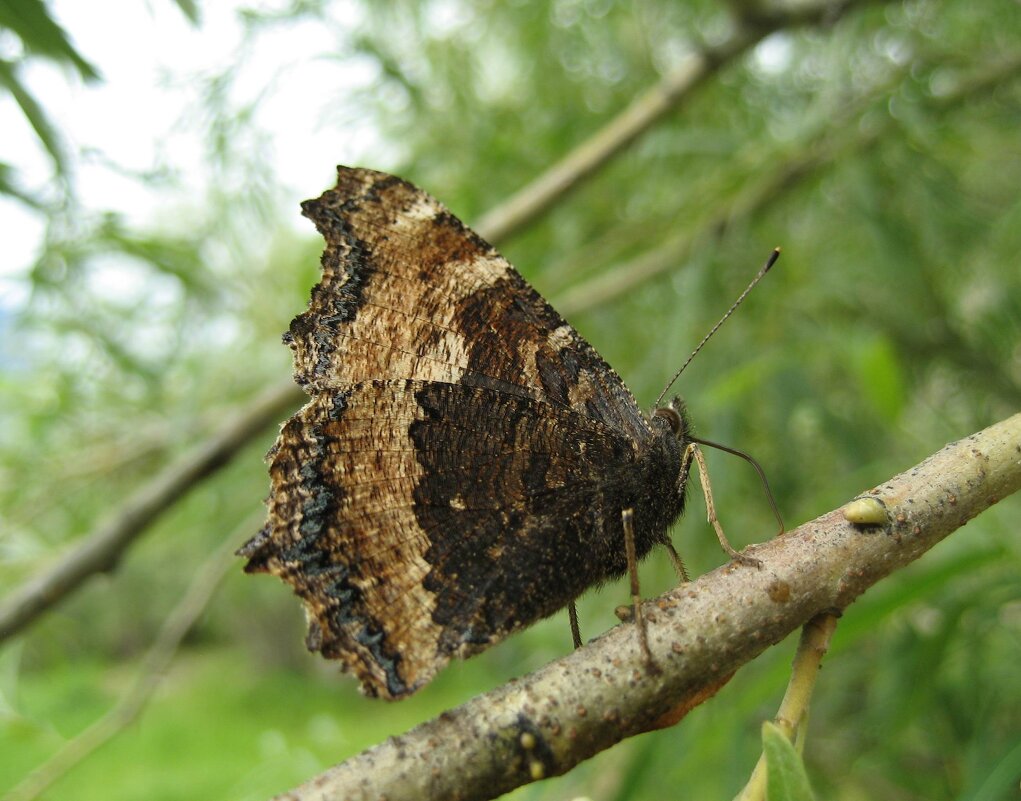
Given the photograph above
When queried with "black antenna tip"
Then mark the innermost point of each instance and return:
(772, 259)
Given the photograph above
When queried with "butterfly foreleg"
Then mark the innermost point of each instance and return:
(693, 452)
(572, 614)
(675, 558)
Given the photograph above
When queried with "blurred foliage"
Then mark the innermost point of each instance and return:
(29, 31)
(39, 37)
(880, 152)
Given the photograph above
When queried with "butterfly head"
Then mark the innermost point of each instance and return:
(676, 415)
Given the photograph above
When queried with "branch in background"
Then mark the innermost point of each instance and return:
(668, 95)
(783, 177)
(699, 633)
(101, 550)
(154, 666)
(828, 145)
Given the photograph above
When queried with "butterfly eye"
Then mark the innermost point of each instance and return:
(671, 415)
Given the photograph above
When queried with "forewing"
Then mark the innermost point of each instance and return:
(408, 291)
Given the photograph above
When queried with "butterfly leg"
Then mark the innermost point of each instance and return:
(628, 519)
(572, 613)
(694, 452)
(682, 571)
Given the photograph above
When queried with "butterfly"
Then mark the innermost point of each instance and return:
(466, 463)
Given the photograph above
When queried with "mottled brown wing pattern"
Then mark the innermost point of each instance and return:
(462, 446)
(409, 291)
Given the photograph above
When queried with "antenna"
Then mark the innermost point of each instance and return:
(758, 277)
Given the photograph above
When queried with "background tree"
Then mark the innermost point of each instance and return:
(877, 144)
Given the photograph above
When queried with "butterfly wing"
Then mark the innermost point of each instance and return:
(457, 450)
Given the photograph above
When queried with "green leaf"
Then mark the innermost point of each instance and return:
(190, 9)
(786, 777)
(34, 112)
(41, 35)
(9, 186)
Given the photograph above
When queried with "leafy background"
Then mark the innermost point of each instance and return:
(881, 151)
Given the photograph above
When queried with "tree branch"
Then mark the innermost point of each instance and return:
(101, 549)
(699, 633)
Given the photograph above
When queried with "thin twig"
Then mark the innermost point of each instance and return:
(151, 673)
(793, 713)
(699, 634)
(101, 550)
